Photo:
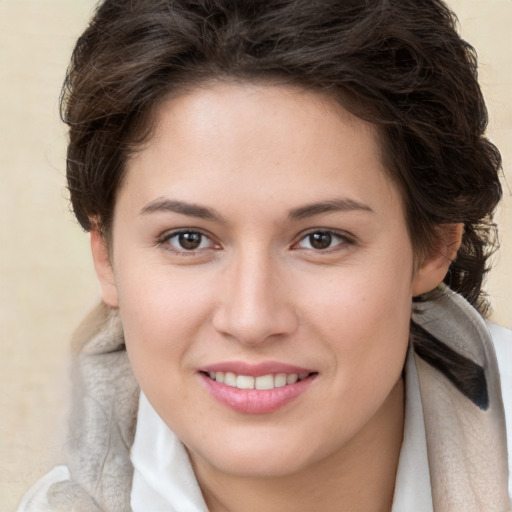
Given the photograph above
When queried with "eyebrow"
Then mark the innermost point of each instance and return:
(302, 212)
(190, 209)
(341, 204)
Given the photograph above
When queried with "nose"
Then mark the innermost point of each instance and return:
(256, 305)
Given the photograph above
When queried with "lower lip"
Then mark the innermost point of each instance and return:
(254, 401)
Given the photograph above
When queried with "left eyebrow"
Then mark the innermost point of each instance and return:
(342, 204)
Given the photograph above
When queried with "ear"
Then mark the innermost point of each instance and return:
(435, 264)
(104, 271)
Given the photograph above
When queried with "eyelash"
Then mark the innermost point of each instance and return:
(343, 238)
(164, 241)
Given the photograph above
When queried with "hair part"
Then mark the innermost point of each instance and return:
(398, 64)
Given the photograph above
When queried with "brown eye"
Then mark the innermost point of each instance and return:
(320, 240)
(190, 241)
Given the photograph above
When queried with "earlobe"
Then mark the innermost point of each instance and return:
(436, 263)
(104, 270)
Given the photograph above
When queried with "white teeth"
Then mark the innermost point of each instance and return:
(230, 379)
(292, 378)
(280, 380)
(264, 382)
(245, 382)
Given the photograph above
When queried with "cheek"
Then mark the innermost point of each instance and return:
(369, 338)
(365, 318)
(164, 314)
(374, 295)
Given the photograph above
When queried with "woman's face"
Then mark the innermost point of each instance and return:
(258, 240)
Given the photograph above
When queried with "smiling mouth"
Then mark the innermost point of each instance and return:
(256, 389)
(263, 382)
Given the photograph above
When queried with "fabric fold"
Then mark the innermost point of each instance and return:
(466, 444)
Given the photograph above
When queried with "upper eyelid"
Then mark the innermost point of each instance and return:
(342, 234)
(178, 231)
(347, 240)
(167, 235)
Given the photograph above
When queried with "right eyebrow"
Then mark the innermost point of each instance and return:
(184, 208)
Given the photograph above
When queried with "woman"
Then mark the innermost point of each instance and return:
(290, 209)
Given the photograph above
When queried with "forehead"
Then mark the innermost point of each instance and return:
(260, 140)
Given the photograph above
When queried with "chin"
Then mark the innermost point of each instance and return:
(243, 467)
(258, 459)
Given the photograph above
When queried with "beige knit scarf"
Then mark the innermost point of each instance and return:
(460, 393)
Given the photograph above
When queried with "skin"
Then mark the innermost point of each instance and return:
(256, 289)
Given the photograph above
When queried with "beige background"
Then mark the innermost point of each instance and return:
(46, 278)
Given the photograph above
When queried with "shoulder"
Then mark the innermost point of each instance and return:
(36, 499)
(502, 340)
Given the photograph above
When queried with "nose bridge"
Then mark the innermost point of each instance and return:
(256, 305)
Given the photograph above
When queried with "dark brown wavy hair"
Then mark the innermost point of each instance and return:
(399, 64)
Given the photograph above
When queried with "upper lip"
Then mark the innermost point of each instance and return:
(255, 370)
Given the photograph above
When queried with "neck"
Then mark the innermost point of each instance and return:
(359, 477)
